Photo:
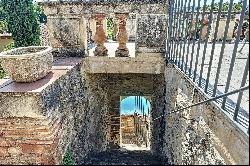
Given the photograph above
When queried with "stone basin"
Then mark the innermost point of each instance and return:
(27, 64)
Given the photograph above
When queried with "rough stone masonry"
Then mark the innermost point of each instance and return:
(72, 108)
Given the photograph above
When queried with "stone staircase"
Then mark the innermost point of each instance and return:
(124, 157)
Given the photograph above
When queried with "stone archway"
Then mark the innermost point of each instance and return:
(117, 85)
(135, 122)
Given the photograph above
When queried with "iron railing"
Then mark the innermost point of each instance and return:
(216, 65)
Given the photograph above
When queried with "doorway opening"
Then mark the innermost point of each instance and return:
(135, 122)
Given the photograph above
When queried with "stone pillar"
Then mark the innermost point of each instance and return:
(122, 36)
(151, 35)
(100, 36)
(44, 37)
(131, 27)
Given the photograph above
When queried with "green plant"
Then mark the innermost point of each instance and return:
(2, 72)
(110, 27)
(216, 7)
(22, 22)
(3, 26)
(68, 158)
(9, 46)
(237, 6)
(225, 6)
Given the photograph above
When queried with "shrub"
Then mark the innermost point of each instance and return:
(22, 22)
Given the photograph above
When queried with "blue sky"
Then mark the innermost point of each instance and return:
(128, 105)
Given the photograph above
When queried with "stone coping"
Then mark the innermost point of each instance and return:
(100, 2)
(5, 36)
(124, 65)
(60, 67)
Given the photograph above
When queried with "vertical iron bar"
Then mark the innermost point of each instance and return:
(186, 33)
(223, 47)
(199, 42)
(189, 42)
(206, 42)
(194, 40)
(178, 33)
(170, 29)
(143, 115)
(243, 83)
(234, 51)
(213, 46)
(140, 105)
(182, 31)
(177, 30)
(174, 28)
(135, 102)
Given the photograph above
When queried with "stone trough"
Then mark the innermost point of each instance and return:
(27, 64)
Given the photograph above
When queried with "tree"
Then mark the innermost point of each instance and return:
(3, 23)
(237, 6)
(216, 7)
(22, 22)
(225, 6)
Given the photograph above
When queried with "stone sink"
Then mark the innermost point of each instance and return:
(27, 64)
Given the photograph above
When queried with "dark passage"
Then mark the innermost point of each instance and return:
(124, 157)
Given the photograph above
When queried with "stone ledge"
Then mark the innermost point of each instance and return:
(123, 65)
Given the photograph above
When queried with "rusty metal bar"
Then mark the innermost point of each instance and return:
(206, 101)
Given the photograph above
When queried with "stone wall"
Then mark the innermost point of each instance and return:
(117, 85)
(38, 127)
(69, 22)
(202, 134)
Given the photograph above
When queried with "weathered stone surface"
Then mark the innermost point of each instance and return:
(68, 52)
(42, 125)
(77, 7)
(201, 135)
(27, 64)
(66, 32)
(151, 33)
(149, 65)
(69, 24)
(131, 27)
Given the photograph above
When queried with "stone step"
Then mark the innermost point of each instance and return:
(123, 157)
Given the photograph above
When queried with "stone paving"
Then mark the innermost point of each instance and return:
(124, 157)
(237, 74)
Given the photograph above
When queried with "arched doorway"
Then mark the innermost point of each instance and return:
(135, 122)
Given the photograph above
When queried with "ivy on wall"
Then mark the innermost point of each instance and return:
(22, 22)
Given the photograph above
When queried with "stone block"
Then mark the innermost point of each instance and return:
(4, 152)
(151, 33)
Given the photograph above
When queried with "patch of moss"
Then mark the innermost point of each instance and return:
(68, 158)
